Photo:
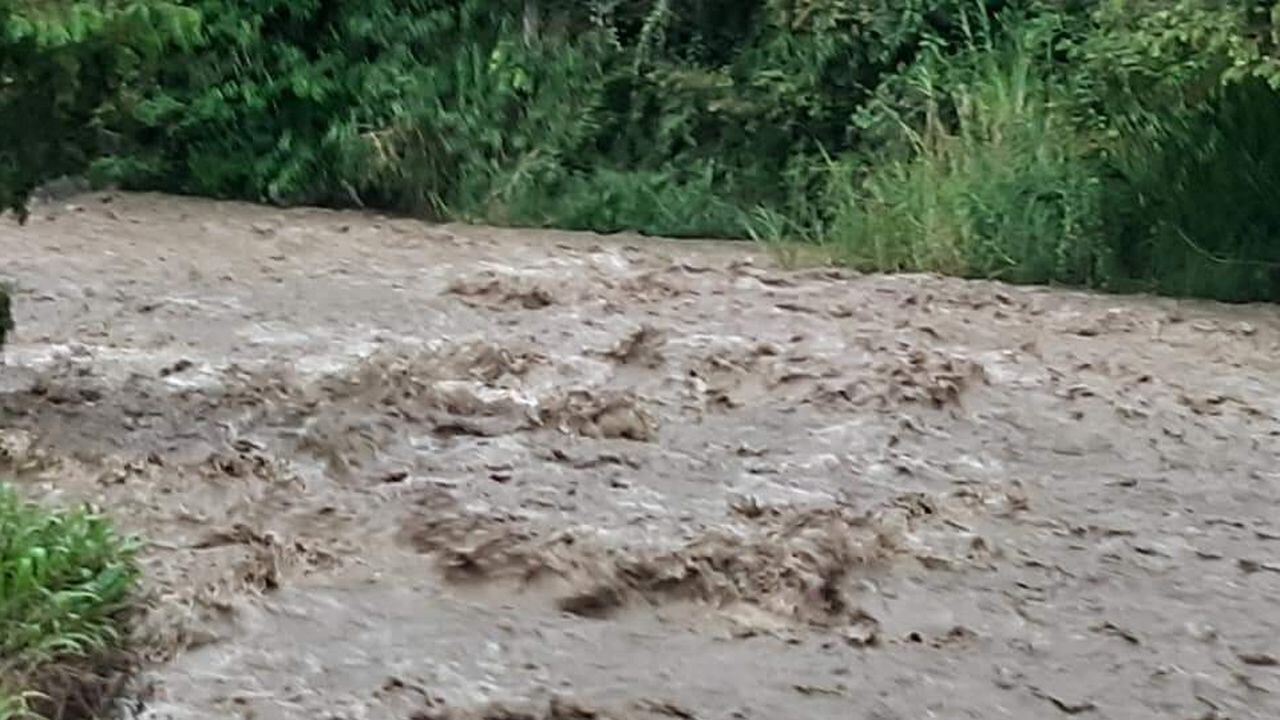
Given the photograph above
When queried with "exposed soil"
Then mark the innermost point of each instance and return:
(390, 470)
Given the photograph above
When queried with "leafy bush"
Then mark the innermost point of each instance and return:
(65, 582)
(397, 103)
(65, 69)
(1194, 211)
(1189, 96)
(1031, 140)
(520, 111)
(1132, 147)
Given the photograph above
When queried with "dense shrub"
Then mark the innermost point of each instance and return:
(65, 581)
(1129, 146)
(65, 69)
(1125, 144)
(394, 103)
(671, 117)
(1187, 94)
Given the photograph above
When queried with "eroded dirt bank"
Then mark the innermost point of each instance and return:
(397, 471)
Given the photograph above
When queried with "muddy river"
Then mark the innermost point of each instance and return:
(392, 470)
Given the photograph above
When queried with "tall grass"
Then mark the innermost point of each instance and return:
(1193, 207)
(65, 583)
(667, 202)
(993, 179)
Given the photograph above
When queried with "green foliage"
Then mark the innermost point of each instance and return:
(1032, 140)
(65, 68)
(65, 580)
(397, 103)
(600, 114)
(1193, 210)
(1001, 188)
(671, 202)
(1187, 99)
(1131, 147)
(1006, 194)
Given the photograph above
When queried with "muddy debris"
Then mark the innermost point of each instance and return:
(1259, 659)
(601, 415)
(496, 291)
(641, 347)
(597, 602)
(557, 708)
(797, 565)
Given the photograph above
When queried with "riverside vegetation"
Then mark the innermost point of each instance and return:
(1119, 144)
